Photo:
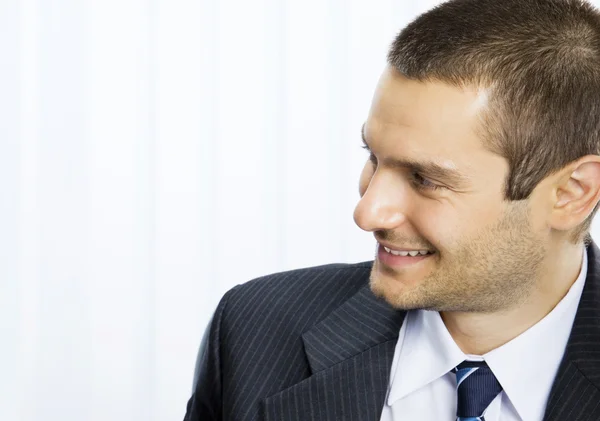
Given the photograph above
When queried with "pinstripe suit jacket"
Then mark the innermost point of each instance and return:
(316, 344)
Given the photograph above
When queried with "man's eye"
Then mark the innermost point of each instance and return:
(422, 183)
(416, 179)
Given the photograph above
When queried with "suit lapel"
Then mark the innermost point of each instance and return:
(575, 394)
(350, 356)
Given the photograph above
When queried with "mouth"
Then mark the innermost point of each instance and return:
(400, 258)
(405, 253)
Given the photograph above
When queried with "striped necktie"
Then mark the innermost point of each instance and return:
(476, 388)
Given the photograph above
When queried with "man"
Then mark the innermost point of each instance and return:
(483, 300)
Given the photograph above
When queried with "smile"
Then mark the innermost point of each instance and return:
(405, 253)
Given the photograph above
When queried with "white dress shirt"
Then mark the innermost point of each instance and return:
(423, 388)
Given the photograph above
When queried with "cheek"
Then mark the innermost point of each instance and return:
(435, 222)
(449, 223)
(448, 226)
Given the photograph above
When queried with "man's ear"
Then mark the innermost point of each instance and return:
(576, 193)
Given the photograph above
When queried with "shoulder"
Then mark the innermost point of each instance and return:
(296, 287)
(299, 297)
(334, 274)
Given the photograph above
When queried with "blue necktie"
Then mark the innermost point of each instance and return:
(477, 387)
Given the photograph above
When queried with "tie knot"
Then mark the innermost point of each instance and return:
(469, 365)
(476, 388)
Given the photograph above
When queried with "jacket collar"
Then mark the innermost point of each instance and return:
(575, 394)
(359, 324)
(350, 354)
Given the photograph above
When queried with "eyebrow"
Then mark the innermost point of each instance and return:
(426, 168)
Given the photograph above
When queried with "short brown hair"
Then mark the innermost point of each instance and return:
(540, 60)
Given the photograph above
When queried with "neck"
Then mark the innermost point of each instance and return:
(480, 333)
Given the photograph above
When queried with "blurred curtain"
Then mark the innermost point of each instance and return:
(153, 154)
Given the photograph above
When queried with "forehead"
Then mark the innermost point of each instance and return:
(426, 120)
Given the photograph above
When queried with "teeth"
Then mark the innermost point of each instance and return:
(412, 253)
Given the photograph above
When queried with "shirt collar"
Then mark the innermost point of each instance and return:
(426, 353)
(531, 358)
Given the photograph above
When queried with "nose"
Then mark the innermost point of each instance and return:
(381, 206)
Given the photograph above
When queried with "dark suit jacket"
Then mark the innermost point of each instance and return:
(315, 344)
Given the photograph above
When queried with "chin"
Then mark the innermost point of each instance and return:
(403, 294)
(394, 292)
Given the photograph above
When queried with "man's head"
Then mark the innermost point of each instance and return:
(484, 135)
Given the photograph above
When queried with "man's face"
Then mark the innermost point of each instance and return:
(487, 252)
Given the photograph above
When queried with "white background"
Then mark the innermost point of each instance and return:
(153, 154)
